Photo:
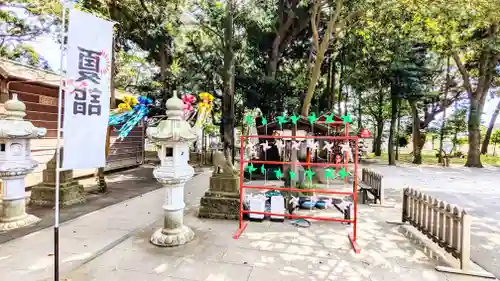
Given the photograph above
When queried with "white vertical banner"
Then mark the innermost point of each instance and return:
(87, 90)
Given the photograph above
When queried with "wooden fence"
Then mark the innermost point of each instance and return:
(446, 225)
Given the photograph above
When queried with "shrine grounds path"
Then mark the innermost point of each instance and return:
(476, 190)
(268, 251)
(113, 244)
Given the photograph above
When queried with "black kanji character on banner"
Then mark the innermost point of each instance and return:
(88, 65)
(95, 106)
(80, 103)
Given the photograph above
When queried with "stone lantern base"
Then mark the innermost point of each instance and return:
(222, 200)
(8, 218)
(69, 194)
(171, 238)
(18, 223)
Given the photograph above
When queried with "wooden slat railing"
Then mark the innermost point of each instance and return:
(446, 225)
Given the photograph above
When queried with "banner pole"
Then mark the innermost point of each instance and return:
(58, 147)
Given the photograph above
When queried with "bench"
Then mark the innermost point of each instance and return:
(371, 182)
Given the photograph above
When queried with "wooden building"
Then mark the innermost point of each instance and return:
(38, 89)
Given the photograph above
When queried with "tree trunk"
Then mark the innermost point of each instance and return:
(475, 110)
(455, 141)
(378, 140)
(360, 119)
(397, 129)
(487, 137)
(394, 119)
(345, 101)
(446, 88)
(228, 82)
(416, 139)
(341, 76)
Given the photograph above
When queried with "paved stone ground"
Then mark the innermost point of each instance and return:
(122, 186)
(476, 190)
(270, 251)
(30, 257)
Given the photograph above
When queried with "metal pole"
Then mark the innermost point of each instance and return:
(58, 148)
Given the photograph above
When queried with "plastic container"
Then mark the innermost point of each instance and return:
(277, 207)
(257, 204)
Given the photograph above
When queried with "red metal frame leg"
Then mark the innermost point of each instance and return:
(354, 244)
(240, 230)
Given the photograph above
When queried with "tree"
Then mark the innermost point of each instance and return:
(228, 82)
(471, 32)
(335, 24)
(456, 124)
(22, 21)
(487, 137)
(495, 140)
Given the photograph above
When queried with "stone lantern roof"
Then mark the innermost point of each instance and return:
(174, 128)
(12, 125)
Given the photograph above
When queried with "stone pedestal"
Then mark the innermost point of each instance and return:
(13, 212)
(70, 192)
(222, 200)
(174, 232)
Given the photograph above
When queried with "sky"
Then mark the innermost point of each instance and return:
(50, 50)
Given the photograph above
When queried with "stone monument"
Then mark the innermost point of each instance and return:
(173, 135)
(70, 192)
(16, 163)
(222, 200)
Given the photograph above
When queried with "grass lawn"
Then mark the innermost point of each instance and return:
(428, 158)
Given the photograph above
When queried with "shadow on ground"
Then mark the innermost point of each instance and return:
(121, 186)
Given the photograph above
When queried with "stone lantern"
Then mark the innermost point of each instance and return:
(16, 163)
(173, 136)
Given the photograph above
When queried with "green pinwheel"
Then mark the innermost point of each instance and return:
(343, 173)
(312, 118)
(262, 169)
(329, 174)
(309, 174)
(294, 119)
(249, 119)
(251, 168)
(347, 118)
(281, 119)
(292, 174)
(329, 118)
(264, 121)
(278, 173)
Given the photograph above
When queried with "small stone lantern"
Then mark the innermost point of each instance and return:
(16, 163)
(173, 135)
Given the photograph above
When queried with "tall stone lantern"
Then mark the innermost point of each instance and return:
(16, 163)
(173, 135)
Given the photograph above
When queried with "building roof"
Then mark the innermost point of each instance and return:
(15, 70)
